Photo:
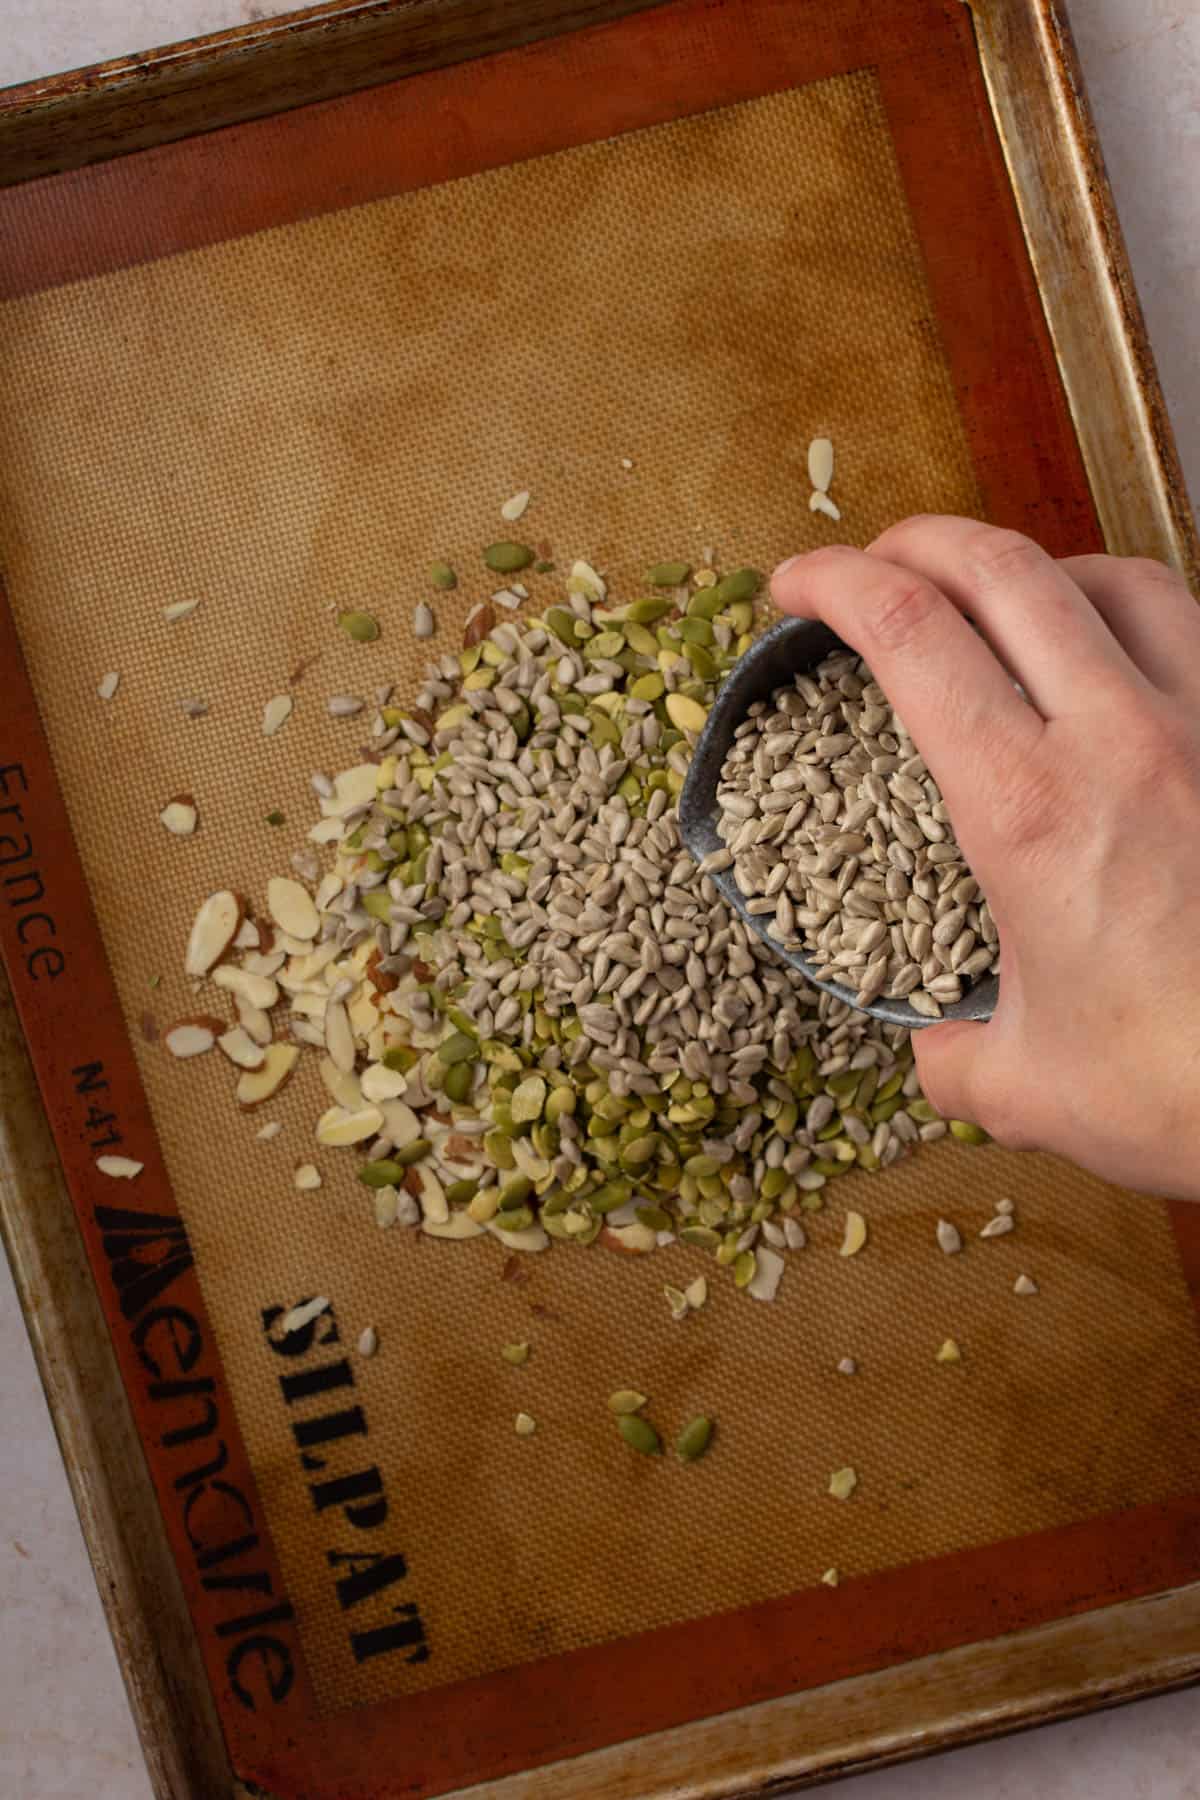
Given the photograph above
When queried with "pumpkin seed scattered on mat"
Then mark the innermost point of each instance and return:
(516, 1355)
(626, 1400)
(842, 1483)
(639, 1434)
(507, 558)
(694, 1439)
(442, 576)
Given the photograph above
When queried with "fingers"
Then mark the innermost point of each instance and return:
(1038, 621)
(950, 1063)
(947, 686)
(1150, 612)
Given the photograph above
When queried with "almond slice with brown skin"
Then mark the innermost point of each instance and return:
(263, 1083)
(241, 1048)
(292, 908)
(253, 1020)
(192, 1037)
(213, 930)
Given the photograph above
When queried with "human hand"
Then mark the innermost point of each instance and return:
(1078, 810)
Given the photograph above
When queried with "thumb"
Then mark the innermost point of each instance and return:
(950, 1064)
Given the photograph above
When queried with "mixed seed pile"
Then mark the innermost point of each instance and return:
(536, 1019)
(838, 834)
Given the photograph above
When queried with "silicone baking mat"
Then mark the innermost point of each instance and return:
(277, 371)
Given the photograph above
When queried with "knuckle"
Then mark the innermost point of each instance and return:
(996, 556)
(1150, 576)
(901, 610)
(1157, 747)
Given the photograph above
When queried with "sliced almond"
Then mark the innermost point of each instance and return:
(400, 1123)
(109, 684)
(307, 1176)
(855, 1235)
(242, 1049)
(820, 463)
(180, 816)
(435, 1208)
(303, 1315)
(248, 936)
(276, 714)
(213, 930)
(253, 1020)
(267, 1132)
(514, 509)
(264, 962)
(532, 1239)
(340, 1126)
(179, 609)
(121, 1168)
(339, 1086)
(768, 1273)
(378, 1082)
(458, 1225)
(257, 1085)
(327, 832)
(292, 908)
(818, 502)
(256, 990)
(192, 1037)
(352, 788)
(339, 1039)
(634, 1240)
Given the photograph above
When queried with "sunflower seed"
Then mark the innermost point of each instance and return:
(949, 1237)
(998, 1226)
(368, 1341)
(422, 621)
(109, 684)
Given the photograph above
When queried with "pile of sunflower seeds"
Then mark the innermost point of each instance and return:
(837, 832)
(535, 1017)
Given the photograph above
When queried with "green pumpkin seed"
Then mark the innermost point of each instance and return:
(967, 1133)
(515, 1354)
(694, 1439)
(443, 576)
(669, 574)
(360, 626)
(387, 1172)
(647, 611)
(460, 1079)
(639, 1434)
(626, 1401)
(517, 1218)
(743, 584)
(459, 1047)
(515, 1193)
(507, 558)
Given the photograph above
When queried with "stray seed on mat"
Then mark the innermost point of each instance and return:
(307, 1177)
(361, 626)
(626, 1400)
(270, 1130)
(423, 623)
(855, 1235)
(368, 1342)
(304, 1314)
(820, 464)
(847, 1366)
(276, 714)
(525, 1425)
(998, 1226)
(842, 1483)
(818, 502)
(109, 684)
(121, 1168)
(639, 1434)
(831, 1578)
(949, 1237)
(179, 609)
(180, 816)
(515, 1354)
(694, 1439)
(949, 1352)
(1025, 1284)
(513, 509)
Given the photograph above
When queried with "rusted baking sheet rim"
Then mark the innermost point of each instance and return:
(451, 123)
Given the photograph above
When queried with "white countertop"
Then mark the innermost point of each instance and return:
(65, 1730)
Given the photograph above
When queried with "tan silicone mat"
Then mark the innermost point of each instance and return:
(300, 420)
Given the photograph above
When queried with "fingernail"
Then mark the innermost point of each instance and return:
(783, 568)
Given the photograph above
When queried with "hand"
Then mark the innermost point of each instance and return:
(1078, 810)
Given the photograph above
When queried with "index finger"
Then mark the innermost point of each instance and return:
(955, 698)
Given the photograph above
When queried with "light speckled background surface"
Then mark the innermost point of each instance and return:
(65, 1731)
